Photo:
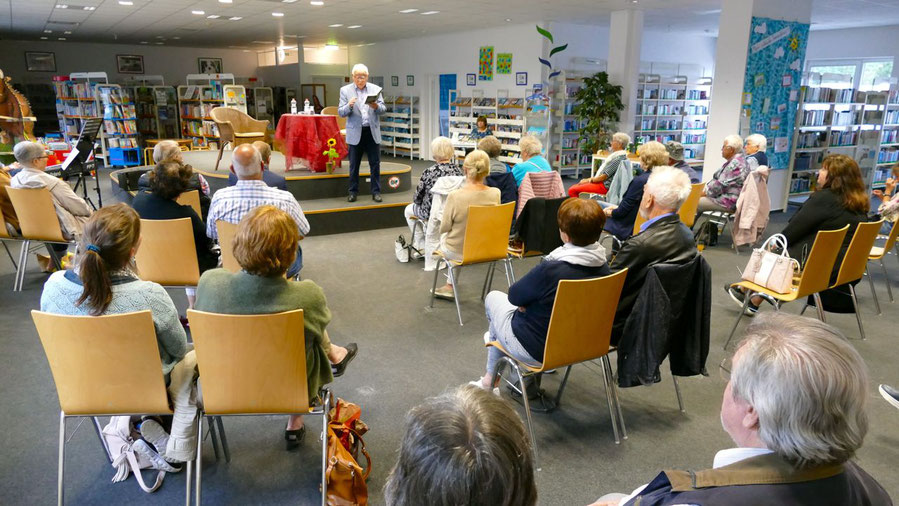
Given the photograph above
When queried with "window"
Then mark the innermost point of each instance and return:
(874, 71)
(866, 73)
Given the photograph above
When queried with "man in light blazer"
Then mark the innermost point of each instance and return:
(363, 129)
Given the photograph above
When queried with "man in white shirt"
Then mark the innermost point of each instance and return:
(794, 406)
(363, 128)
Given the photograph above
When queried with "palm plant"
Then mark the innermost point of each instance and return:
(597, 111)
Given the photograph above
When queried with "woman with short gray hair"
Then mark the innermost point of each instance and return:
(722, 191)
(755, 151)
(443, 154)
(600, 182)
(532, 159)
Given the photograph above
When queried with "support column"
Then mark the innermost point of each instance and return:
(625, 38)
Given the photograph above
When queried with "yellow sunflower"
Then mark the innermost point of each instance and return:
(332, 142)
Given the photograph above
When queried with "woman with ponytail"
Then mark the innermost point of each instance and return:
(104, 282)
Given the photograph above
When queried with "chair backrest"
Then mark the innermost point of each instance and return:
(487, 233)
(639, 220)
(226, 233)
(37, 213)
(687, 210)
(332, 111)
(167, 254)
(191, 198)
(224, 120)
(104, 364)
(816, 271)
(251, 364)
(856, 258)
(581, 323)
(891, 239)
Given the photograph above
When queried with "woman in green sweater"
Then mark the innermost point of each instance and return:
(265, 246)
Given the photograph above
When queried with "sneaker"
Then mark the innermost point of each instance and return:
(444, 293)
(146, 450)
(751, 309)
(487, 337)
(890, 394)
(154, 434)
(478, 384)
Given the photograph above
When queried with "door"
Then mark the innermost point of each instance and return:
(332, 89)
(447, 83)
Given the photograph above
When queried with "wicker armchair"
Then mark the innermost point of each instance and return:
(236, 127)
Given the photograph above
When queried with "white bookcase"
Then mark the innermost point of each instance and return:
(261, 103)
(120, 133)
(505, 117)
(887, 149)
(235, 96)
(567, 156)
(400, 126)
(674, 108)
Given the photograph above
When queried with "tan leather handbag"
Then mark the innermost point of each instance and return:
(346, 478)
(771, 270)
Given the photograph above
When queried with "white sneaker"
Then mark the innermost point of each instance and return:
(486, 337)
(477, 383)
(142, 448)
(154, 434)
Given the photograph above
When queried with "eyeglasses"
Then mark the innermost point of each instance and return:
(360, 77)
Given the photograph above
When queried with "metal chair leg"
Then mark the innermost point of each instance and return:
(510, 274)
(100, 436)
(873, 291)
(452, 279)
(858, 315)
(737, 323)
(562, 387)
(680, 399)
(9, 254)
(887, 278)
(20, 270)
(527, 406)
(804, 307)
(436, 273)
(62, 459)
(326, 407)
(488, 279)
(820, 307)
(215, 439)
(199, 457)
(221, 431)
(613, 409)
(608, 366)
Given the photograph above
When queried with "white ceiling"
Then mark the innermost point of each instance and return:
(170, 22)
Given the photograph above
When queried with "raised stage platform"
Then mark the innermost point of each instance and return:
(321, 195)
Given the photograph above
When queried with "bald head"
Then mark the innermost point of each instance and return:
(246, 162)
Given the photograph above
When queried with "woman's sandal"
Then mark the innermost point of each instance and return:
(294, 438)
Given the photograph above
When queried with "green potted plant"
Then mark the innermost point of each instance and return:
(597, 111)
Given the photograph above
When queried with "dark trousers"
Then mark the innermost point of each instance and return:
(369, 147)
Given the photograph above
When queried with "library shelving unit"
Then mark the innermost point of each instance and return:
(76, 100)
(505, 117)
(235, 96)
(674, 108)
(567, 157)
(460, 121)
(887, 142)
(261, 104)
(120, 136)
(196, 99)
(157, 112)
(400, 126)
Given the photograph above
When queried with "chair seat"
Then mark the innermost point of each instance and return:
(877, 253)
(786, 297)
(497, 345)
(439, 253)
(249, 134)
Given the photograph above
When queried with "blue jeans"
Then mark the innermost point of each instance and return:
(370, 148)
(499, 316)
(297, 264)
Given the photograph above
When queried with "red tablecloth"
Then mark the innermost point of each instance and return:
(306, 137)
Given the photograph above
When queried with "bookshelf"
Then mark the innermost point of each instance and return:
(261, 104)
(567, 157)
(42, 99)
(120, 134)
(886, 140)
(76, 100)
(674, 108)
(505, 117)
(196, 99)
(157, 112)
(400, 126)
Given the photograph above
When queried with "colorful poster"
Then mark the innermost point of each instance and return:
(504, 63)
(485, 64)
(775, 54)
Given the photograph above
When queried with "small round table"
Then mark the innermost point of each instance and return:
(305, 137)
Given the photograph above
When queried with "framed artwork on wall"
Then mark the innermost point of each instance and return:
(36, 61)
(210, 65)
(394, 80)
(129, 63)
(471, 79)
(410, 80)
(521, 78)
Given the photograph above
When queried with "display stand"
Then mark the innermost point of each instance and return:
(235, 97)
(120, 139)
(538, 119)
(400, 132)
(567, 156)
(157, 112)
(261, 104)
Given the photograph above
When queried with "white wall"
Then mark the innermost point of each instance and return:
(873, 42)
(173, 63)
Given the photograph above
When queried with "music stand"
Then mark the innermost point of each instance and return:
(80, 162)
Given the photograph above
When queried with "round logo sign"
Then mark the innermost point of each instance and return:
(393, 182)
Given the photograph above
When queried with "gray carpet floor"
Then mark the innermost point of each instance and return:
(408, 353)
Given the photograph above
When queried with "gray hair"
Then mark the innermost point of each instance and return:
(622, 138)
(808, 386)
(360, 68)
(734, 141)
(653, 154)
(463, 447)
(530, 145)
(166, 151)
(442, 149)
(758, 140)
(490, 145)
(669, 187)
(252, 167)
(27, 152)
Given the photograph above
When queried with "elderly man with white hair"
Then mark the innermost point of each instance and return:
(169, 151)
(794, 406)
(723, 190)
(233, 202)
(363, 128)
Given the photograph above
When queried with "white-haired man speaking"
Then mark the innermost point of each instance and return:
(363, 128)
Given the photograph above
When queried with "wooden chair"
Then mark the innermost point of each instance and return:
(103, 366)
(638, 222)
(815, 276)
(167, 254)
(855, 263)
(687, 210)
(580, 328)
(486, 240)
(226, 233)
(38, 222)
(191, 198)
(265, 375)
(236, 127)
(877, 253)
(341, 122)
(4, 237)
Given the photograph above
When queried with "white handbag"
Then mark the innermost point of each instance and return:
(771, 270)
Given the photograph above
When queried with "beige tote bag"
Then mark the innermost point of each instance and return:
(771, 270)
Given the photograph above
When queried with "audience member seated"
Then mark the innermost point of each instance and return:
(494, 148)
(231, 204)
(789, 449)
(443, 154)
(104, 282)
(270, 178)
(6, 208)
(264, 246)
(890, 395)
(839, 200)
(676, 160)
(663, 238)
(601, 181)
(621, 218)
(455, 213)
(500, 176)
(168, 180)
(463, 447)
(889, 197)
(723, 190)
(481, 129)
(754, 148)
(169, 151)
(519, 321)
(531, 158)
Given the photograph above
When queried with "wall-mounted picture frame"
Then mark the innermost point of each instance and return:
(394, 80)
(521, 78)
(39, 61)
(129, 63)
(410, 80)
(209, 65)
(471, 79)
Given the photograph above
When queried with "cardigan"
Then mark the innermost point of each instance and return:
(455, 213)
(421, 200)
(151, 207)
(221, 291)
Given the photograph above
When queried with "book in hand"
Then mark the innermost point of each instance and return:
(372, 98)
